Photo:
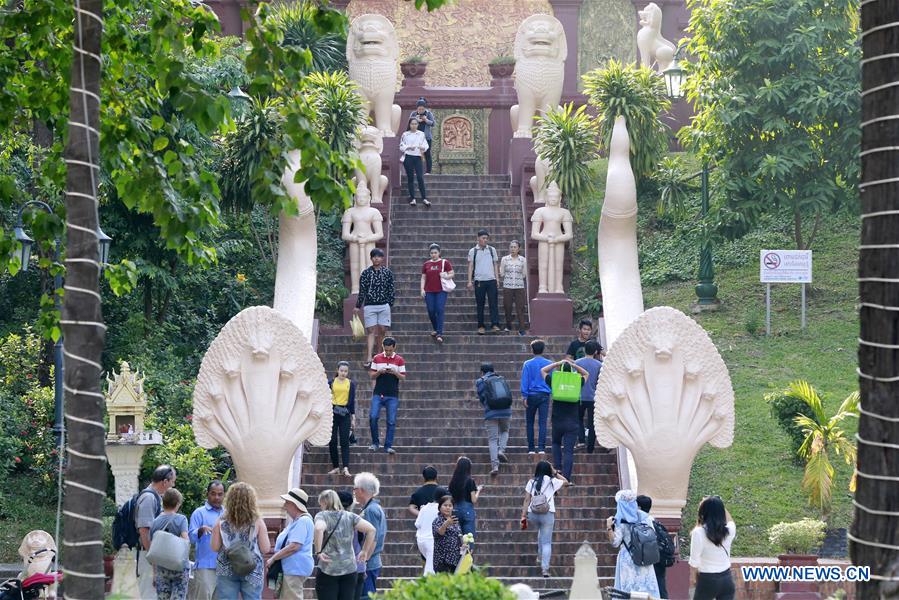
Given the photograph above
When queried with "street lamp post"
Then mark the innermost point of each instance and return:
(706, 290)
(25, 257)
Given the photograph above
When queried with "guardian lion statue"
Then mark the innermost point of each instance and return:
(372, 52)
(370, 145)
(540, 53)
(654, 49)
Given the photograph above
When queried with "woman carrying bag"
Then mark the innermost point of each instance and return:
(335, 577)
(343, 407)
(171, 583)
(436, 283)
(241, 538)
(566, 386)
(540, 509)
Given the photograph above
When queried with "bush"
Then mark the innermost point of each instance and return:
(799, 537)
(784, 409)
(472, 586)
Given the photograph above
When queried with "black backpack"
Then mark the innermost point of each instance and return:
(124, 530)
(666, 547)
(643, 544)
(497, 394)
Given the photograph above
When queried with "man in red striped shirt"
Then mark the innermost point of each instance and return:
(387, 369)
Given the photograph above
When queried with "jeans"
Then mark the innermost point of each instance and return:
(340, 431)
(486, 290)
(564, 437)
(370, 586)
(228, 588)
(518, 298)
(587, 432)
(497, 438)
(465, 512)
(538, 404)
(719, 586)
(391, 404)
(414, 167)
(335, 587)
(660, 568)
(544, 523)
(436, 303)
(429, 162)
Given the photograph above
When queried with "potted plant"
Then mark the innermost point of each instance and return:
(108, 552)
(501, 66)
(797, 543)
(414, 66)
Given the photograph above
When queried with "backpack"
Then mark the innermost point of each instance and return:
(240, 555)
(497, 395)
(666, 548)
(643, 545)
(540, 501)
(124, 530)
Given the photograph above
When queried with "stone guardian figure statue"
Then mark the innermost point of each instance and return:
(551, 226)
(362, 227)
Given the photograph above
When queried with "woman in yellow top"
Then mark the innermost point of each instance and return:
(343, 405)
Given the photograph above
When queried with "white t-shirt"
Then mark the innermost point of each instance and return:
(706, 556)
(426, 515)
(548, 487)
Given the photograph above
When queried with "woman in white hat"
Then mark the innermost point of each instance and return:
(294, 545)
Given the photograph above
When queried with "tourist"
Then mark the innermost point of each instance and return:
(387, 369)
(240, 523)
(424, 532)
(434, 272)
(343, 409)
(465, 494)
(171, 584)
(425, 492)
(146, 509)
(497, 414)
(376, 295)
(482, 276)
(535, 395)
(542, 490)
(425, 125)
(592, 364)
(644, 503)
(346, 499)
(202, 520)
(365, 487)
(293, 547)
(413, 145)
(565, 421)
(335, 529)
(513, 271)
(448, 545)
(629, 577)
(710, 543)
(584, 334)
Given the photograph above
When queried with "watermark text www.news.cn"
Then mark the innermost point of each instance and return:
(808, 573)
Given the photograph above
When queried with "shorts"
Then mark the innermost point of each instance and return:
(377, 314)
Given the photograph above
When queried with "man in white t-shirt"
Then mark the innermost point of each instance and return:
(424, 534)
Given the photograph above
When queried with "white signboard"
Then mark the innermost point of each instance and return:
(785, 266)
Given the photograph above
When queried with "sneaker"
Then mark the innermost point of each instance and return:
(494, 472)
(481, 331)
(346, 472)
(507, 328)
(389, 450)
(334, 471)
(495, 328)
(545, 573)
(503, 458)
(542, 453)
(373, 448)
(521, 332)
(412, 202)
(426, 202)
(580, 445)
(439, 339)
(530, 453)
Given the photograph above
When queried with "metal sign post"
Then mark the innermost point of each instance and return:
(784, 266)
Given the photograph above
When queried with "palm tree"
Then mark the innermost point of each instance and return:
(823, 435)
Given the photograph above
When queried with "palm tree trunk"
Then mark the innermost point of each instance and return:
(82, 319)
(875, 530)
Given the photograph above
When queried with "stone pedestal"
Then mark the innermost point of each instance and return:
(551, 314)
(796, 590)
(521, 153)
(584, 584)
(124, 460)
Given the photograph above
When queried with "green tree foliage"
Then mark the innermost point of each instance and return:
(299, 22)
(638, 94)
(471, 586)
(775, 85)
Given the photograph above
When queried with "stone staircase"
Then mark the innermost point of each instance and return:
(440, 418)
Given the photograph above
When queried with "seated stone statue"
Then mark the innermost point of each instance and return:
(362, 227)
(552, 226)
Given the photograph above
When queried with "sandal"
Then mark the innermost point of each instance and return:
(439, 339)
(433, 334)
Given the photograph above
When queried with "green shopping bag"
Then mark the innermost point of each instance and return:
(567, 384)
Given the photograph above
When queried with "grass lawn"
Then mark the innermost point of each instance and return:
(757, 477)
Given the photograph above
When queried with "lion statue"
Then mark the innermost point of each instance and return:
(540, 52)
(654, 49)
(372, 53)
(38, 551)
(370, 145)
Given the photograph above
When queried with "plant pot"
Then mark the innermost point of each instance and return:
(501, 71)
(795, 590)
(413, 70)
(108, 570)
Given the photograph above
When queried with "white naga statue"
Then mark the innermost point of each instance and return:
(372, 52)
(664, 390)
(654, 49)
(262, 390)
(551, 227)
(370, 144)
(540, 52)
(538, 180)
(362, 227)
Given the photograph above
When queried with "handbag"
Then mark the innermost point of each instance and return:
(168, 551)
(566, 385)
(326, 540)
(448, 285)
(357, 328)
(465, 563)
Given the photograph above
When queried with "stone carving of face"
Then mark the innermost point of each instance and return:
(541, 37)
(363, 196)
(651, 16)
(370, 136)
(553, 195)
(373, 36)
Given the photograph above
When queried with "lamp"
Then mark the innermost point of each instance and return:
(238, 94)
(27, 243)
(674, 80)
(104, 242)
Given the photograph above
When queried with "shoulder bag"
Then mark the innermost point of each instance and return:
(448, 285)
(167, 550)
(326, 540)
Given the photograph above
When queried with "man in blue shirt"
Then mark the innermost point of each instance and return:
(365, 487)
(592, 365)
(202, 586)
(535, 394)
(294, 545)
